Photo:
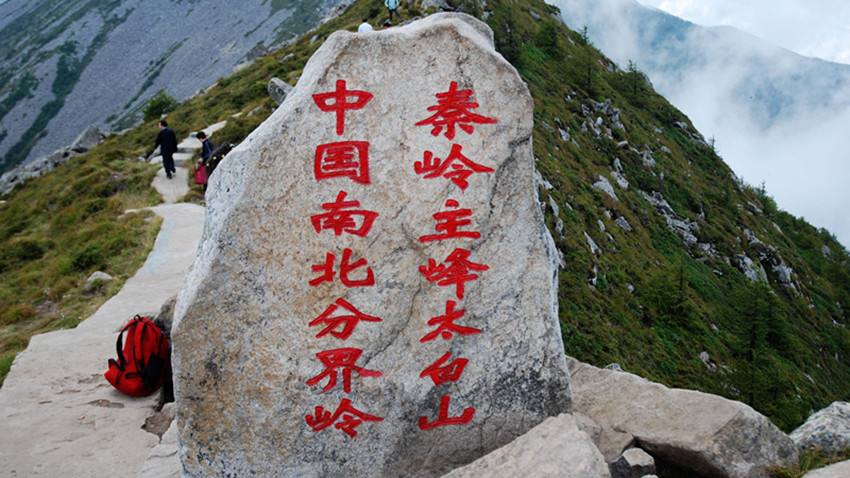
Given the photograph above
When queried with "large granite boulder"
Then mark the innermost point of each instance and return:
(827, 430)
(708, 435)
(429, 285)
(556, 448)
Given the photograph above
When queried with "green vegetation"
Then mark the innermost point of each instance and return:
(809, 460)
(57, 229)
(657, 302)
(159, 105)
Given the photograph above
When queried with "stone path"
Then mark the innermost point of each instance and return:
(58, 415)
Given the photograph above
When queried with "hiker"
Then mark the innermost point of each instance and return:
(365, 27)
(206, 148)
(392, 6)
(205, 167)
(166, 140)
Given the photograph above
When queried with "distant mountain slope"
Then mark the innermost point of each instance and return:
(776, 116)
(68, 64)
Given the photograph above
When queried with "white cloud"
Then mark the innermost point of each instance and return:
(818, 28)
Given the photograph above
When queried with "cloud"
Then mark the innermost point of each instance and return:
(777, 118)
(818, 28)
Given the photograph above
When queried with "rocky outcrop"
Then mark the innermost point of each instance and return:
(827, 430)
(707, 435)
(633, 463)
(605, 186)
(87, 140)
(278, 89)
(684, 228)
(556, 448)
(293, 252)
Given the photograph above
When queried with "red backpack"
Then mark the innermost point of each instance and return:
(142, 364)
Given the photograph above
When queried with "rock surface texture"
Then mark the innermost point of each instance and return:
(827, 429)
(244, 349)
(838, 470)
(708, 435)
(556, 448)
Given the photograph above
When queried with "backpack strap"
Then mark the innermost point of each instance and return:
(138, 354)
(119, 343)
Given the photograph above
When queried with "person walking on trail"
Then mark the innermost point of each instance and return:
(392, 6)
(365, 27)
(166, 140)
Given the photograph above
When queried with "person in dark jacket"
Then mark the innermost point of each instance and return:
(166, 140)
(206, 154)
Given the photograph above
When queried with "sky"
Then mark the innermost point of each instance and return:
(818, 28)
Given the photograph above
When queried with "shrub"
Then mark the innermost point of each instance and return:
(159, 105)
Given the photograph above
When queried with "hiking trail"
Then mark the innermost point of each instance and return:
(60, 416)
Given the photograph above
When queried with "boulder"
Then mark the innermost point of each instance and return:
(633, 463)
(556, 448)
(87, 140)
(96, 279)
(604, 185)
(278, 90)
(463, 372)
(707, 435)
(827, 430)
(838, 470)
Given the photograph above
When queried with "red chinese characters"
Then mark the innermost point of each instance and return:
(346, 267)
(441, 372)
(455, 271)
(457, 168)
(346, 159)
(454, 109)
(349, 160)
(344, 216)
(446, 326)
(341, 100)
(443, 417)
(340, 326)
(450, 223)
(345, 418)
(340, 361)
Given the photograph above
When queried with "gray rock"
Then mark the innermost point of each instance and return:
(594, 249)
(620, 179)
(96, 279)
(565, 135)
(87, 140)
(623, 223)
(633, 463)
(838, 470)
(827, 430)
(825, 250)
(534, 15)
(556, 448)
(604, 185)
(278, 90)
(684, 228)
(706, 359)
(752, 270)
(243, 347)
(702, 433)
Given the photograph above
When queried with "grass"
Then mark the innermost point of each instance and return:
(809, 460)
(57, 229)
